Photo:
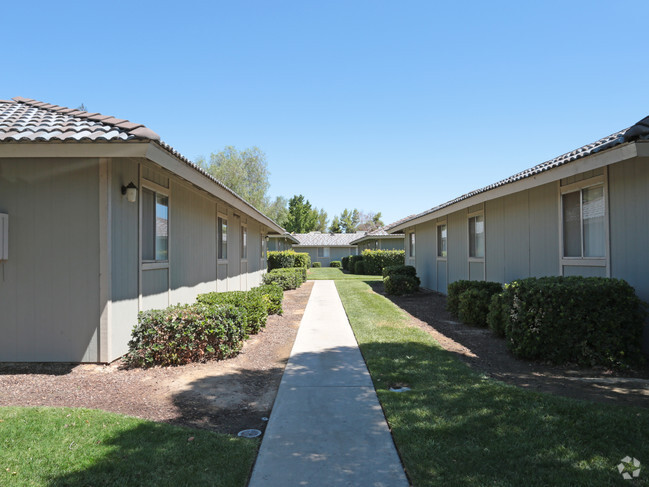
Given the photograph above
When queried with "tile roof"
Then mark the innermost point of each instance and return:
(28, 120)
(325, 239)
(639, 131)
(24, 119)
(378, 233)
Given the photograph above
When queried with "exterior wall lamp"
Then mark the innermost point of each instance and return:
(130, 191)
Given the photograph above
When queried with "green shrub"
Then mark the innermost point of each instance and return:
(184, 334)
(345, 263)
(302, 259)
(376, 260)
(473, 307)
(359, 267)
(352, 262)
(497, 315)
(254, 306)
(404, 270)
(398, 284)
(281, 259)
(286, 278)
(455, 290)
(335, 263)
(316, 264)
(273, 295)
(588, 321)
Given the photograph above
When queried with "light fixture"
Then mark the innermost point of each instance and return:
(267, 238)
(130, 191)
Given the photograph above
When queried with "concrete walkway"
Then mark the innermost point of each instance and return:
(327, 427)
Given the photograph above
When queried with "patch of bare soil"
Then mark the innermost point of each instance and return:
(226, 396)
(488, 354)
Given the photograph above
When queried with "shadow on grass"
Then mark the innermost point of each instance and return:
(456, 427)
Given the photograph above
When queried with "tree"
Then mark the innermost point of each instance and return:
(370, 221)
(277, 210)
(301, 218)
(244, 172)
(321, 220)
(335, 225)
(349, 220)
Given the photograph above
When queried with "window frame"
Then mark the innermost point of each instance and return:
(484, 236)
(437, 240)
(412, 245)
(156, 189)
(243, 244)
(219, 238)
(579, 186)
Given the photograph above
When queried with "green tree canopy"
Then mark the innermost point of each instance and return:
(301, 217)
(321, 220)
(335, 225)
(244, 172)
(370, 221)
(349, 220)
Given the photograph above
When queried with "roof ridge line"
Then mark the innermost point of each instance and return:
(138, 130)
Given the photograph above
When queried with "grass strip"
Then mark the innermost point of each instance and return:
(82, 447)
(334, 273)
(458, 427)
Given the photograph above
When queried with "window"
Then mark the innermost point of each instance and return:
(262, 253)
(476, 237)
(244, 243)
(222, 238)
(323, 251)
(584, 223)
(441, 240)
(155, 226)
(411, 239)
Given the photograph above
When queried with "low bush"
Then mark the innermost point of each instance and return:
(455, 290)
(352, 262)
(497, 314)
(588, 321)
(273, 295)
(302, 259)
(183, 334)
(253, 304)
(473, 307)
(280, 259)
(286, 278)
(335, 263)
(399, 284)
(404, 270)
(316, 264)
(376, 260)
(359, 267)
(345, 262)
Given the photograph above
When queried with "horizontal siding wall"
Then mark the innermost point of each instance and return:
(49, 287)
(426, 254)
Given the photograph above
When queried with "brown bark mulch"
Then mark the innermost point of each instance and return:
(225, 396)
(488, 354)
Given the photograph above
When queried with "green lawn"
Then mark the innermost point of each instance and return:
(80, 447)
(457, 427)
(319, 273)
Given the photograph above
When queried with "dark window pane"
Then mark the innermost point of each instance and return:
(571, 225)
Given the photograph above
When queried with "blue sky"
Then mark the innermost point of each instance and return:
(381, 106)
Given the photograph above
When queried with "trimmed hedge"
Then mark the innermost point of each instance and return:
(183, 334)
(335, 263)
(376, 260)
(273, 295)
(316, 264)
(286, 259)
(398, 284)
(359, 267)
(584, 320)
(404, 270)
(253, 305)
(352, 262)
(345, 262)
(286, 278)
(455, 290)
(497, 315)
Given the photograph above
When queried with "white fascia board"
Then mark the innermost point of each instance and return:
(72, 149)
(166, 160)
(588, 163)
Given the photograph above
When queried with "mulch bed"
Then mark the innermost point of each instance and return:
(225, 396)
(488, 354)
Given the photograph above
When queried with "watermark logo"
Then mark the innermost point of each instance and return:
(629, 468)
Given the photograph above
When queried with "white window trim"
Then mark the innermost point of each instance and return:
(156, 188)
(218, 242)
(468, 234)
(439, 257)
(412, 253)
(244, 226)
(605, 261)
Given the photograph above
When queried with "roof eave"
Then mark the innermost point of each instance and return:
(604, 158)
